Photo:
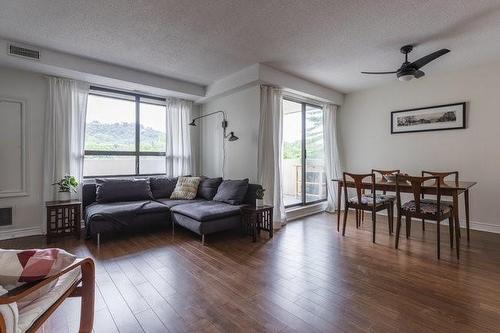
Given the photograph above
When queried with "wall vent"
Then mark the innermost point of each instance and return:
(5, 216)
(23, 52)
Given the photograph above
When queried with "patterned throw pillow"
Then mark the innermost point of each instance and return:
(23, 266)
(186, 188)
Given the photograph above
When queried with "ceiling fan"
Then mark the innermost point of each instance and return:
(410, 70)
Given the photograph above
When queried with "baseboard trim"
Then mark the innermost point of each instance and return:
(20, 232)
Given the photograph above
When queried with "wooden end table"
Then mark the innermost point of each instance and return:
(255, 219)
(63, 218)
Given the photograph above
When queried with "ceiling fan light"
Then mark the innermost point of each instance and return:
(406, 77)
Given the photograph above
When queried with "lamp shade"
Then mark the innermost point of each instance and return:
(407, 77)
(232, 137)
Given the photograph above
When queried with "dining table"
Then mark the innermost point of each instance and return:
(447, 188)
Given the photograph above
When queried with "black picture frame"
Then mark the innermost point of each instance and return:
(461, 108)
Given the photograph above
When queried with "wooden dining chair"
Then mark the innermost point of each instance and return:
(362, 202)
(382, 173)
(424, 209)
(442, 177)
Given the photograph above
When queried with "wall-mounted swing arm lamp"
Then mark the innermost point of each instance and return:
(230, 136)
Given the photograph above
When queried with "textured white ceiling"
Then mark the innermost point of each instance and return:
(325, 41)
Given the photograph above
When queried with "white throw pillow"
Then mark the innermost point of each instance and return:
(186, 188)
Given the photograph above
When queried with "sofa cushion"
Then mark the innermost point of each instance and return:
(208, 187)
(117, 190)
(124, 208)
(172, 203)
(232, 191)
(162, 187)
(186, 188)
(207, 210)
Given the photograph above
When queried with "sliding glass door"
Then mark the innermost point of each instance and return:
(303, 157)
(314, 161)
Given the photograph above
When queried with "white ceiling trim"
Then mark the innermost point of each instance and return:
(263, 74)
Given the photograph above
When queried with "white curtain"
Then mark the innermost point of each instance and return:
(64, 132)
(179, 160)
(270, 145)
(332, 161)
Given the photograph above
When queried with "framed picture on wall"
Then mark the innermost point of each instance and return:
(432, 118)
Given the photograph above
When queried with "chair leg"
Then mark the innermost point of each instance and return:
(374, 221)
(392, 218)
(457, 237)
(398, 229)
(408, 225)
(451, 227)
(357, 218)
(423, 224)
(438, 233)
(87, 294)
(389, 218)
(363, 216)
(345, 220)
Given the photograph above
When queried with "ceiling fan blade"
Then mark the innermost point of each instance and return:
(379, 72)
(418, 74)
(428, 58)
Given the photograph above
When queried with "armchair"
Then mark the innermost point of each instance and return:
(32, 316)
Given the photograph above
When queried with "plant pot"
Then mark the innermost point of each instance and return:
(259, 202)
(64, 196)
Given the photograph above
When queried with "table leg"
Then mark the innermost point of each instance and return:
(254, 229)
(467, 221)
(78, 223)
(455, 210)
(339, 200)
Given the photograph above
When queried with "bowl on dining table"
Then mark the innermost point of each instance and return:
(390, 178)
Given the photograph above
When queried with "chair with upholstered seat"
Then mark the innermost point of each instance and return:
(442, 177)
(382, 174)
(76, 280)
(361, 202)
(423, 209)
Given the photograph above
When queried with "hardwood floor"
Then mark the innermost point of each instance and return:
(308, 278)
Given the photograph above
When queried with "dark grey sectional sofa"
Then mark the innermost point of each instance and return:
(200, 215)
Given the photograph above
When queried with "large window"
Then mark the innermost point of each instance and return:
(304, 180)
(125, 134)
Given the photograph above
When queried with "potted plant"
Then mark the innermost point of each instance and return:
(259, 197)
(66, 185)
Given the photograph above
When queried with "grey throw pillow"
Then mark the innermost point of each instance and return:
(162, 187)
(114, 190)
(208, 187)
(232, 191)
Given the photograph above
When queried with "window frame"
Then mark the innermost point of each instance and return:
(303, 152)
(136, 98)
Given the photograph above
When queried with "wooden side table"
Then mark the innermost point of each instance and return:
(255, 219)
(63, 218)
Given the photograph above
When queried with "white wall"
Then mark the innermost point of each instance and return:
(242, 109)
(27, 211)
(366, 141)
